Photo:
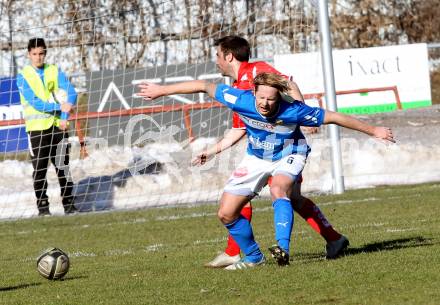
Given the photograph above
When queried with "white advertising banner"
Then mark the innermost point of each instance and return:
(404, 66)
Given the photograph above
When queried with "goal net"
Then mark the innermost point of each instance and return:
(125, 152)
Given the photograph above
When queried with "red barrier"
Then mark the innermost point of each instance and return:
(186, 111)
(319, 96)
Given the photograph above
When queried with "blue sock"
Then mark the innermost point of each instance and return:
(241, 231)
(283, 221)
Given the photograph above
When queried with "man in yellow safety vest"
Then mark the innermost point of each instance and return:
(47, 98)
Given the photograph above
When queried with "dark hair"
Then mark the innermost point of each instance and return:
(36, 43)
(237, 46)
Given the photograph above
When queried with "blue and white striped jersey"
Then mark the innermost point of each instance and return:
(275, 137)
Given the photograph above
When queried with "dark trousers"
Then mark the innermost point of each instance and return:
(46, 145)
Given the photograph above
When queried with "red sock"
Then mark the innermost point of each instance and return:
(232, 248)
(316, 219)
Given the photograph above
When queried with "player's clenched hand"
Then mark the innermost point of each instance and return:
(66, 107)
(384, 133)
(63, 124)
(150, 91)
(201, 158)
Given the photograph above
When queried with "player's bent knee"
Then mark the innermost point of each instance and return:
(225, 217)
(277, 192)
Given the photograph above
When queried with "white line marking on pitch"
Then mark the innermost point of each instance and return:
(82, 254)
(153, 248)
(400, 230)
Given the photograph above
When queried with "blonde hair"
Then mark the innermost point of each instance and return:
(272, 80)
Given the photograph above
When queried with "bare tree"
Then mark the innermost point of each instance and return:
(204, 20)
(188, 18)
(140, 46)
(156, 26)
(369, 23)
(9, 13)
(80, 14)
(112, 33)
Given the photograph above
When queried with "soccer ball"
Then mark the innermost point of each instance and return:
(53, 264)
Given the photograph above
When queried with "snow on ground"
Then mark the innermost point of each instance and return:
(367, 163)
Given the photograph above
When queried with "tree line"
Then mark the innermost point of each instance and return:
(100, 34)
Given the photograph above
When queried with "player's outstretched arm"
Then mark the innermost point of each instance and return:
(151, 91)
(232, 137)
(347, 121)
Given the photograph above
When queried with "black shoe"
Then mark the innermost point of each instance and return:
(70, 209)
(69, 206)
(336, 248)
(43, 207)
(44, 212)
(281, 256)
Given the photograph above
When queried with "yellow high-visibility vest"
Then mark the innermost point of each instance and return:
(34, 119)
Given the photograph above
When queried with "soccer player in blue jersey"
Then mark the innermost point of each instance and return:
(233, 53)
(276, 147)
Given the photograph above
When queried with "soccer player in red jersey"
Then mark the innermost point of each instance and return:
(233, 55)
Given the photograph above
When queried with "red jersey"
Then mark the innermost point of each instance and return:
(246, 75)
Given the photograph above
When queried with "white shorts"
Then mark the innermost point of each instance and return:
(252, 173)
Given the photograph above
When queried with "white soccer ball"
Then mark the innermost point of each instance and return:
(60, 97)
(53, 264)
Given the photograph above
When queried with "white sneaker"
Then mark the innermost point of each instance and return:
(241, 264)
(223, 260)
(335, 248)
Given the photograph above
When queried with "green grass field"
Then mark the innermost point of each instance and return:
(155, 256)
